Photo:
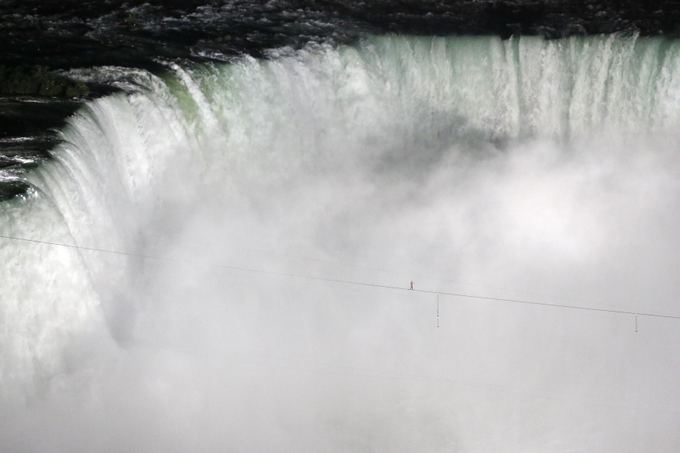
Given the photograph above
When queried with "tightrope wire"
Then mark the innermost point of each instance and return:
(350, 282)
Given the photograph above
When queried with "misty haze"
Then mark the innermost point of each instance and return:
(395, 243)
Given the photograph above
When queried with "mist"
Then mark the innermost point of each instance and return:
(524, 169)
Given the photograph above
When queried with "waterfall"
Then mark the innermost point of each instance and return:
(520, 167)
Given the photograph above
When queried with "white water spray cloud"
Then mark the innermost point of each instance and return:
(524, 169)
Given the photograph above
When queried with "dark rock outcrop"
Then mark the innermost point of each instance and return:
(39, 81)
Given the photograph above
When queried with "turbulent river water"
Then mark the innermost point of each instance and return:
(520, 168)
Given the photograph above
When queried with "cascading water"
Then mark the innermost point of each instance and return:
(517, 168)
